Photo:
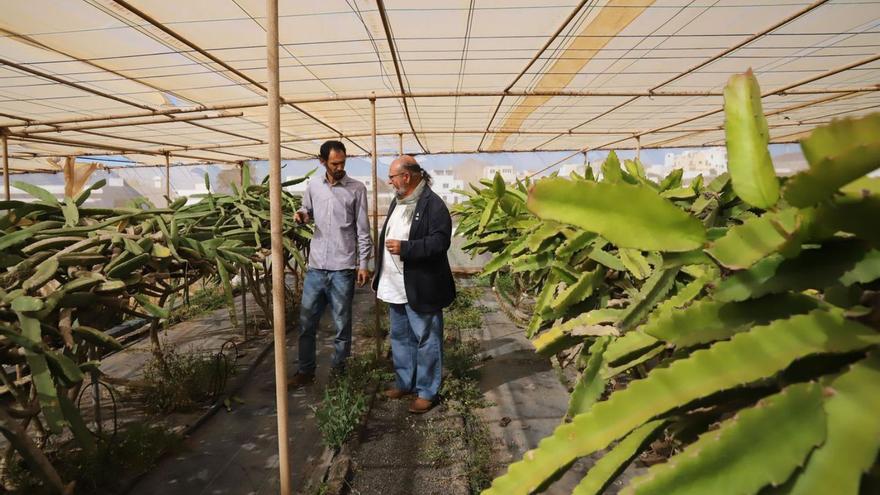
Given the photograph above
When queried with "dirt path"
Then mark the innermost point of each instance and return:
(237, 452)
(402, 454)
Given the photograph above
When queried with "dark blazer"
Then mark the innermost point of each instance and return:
(426, 273)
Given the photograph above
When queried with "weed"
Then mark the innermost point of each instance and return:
(506, 286)
(462, 395)
(340, 412)
(202, 301)
(460, 359)
(132, 451)
(464, 319)
(440, 437)
(464, 313)
(181, 381)
(322, 489)
(481, 281)
(466, 298)
(478, 464)
(345, 399)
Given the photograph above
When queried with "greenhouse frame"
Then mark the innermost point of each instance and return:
(174, 84)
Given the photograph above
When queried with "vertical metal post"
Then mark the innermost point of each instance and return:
(400, 139)
(242, 276)
(168, 177)
(96, 393)
(5, 163)
(278, 292)
(377, 249)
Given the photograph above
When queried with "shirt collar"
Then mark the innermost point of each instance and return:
(343, 181)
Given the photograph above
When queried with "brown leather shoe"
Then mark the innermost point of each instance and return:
(301, 379)
(396, 393)
(420, 405)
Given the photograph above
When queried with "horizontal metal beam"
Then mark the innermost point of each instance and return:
(426, 94)
(110, 147)
(165, 120)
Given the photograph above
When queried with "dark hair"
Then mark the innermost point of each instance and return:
(415, 168)
(330, 145)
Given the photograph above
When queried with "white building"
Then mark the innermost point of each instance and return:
(384, 193)
(566, 169)
(710, 162)
(507, 172)
(194, 194)
(444, 184)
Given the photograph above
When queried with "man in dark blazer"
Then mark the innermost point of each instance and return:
(414, 278)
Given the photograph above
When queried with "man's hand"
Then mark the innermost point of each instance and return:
(363, 275)
(393, 246)
(301, 217)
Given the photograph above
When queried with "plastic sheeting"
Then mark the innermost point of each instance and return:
(480, 75)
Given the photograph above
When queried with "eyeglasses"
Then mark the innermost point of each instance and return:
(395, 175)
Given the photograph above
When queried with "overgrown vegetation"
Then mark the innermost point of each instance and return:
(200, 302)
(345, 398)
(182, 381)
(133, 450)
(736, 320)
(461, 389)
(68, 273)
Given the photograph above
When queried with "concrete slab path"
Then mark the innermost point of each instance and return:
(528, 400)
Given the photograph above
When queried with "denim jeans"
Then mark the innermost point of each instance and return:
(319, 288)
(417, 349)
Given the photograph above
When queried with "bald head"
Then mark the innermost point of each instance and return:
(405, 174)
(404, 162)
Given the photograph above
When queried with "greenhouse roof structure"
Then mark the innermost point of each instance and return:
(151, 79)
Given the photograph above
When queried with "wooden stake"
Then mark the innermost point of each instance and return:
(377, 249)
(168, 177)
(278, 292)
(5, 164)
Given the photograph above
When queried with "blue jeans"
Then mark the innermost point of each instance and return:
(319, 288)
(417, 350)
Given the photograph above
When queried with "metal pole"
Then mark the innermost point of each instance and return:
(5, 164)
(96, 394)
(169, 120)
(278, 291)
(639, 148)
(168, 177)
(242, 276)
(30, 124)
(376, 247)
(137, 151)
(400, 139)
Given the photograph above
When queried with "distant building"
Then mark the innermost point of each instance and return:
(566, 169)
(444, 184)
(581, 168)
(789, 163)
(384, 193)
(193, 195)
(709, 162)
(656, 173)
(508, 173)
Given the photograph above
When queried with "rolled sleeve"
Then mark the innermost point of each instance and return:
(364, 241)
(306, 206)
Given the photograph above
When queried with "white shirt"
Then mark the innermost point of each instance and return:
(391, 288)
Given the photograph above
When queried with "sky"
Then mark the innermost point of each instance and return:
(521, 161)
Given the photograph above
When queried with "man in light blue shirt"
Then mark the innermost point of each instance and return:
(339, 252)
